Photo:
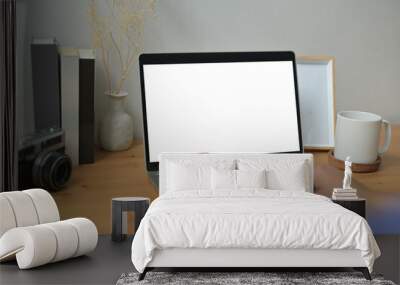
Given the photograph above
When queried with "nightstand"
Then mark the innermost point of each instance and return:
(357, 205)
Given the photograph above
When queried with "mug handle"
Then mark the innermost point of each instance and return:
(388, 137)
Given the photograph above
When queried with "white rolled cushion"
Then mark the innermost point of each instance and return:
(87, 235)
(223, 179)
(23, 208)
(67, 240)
(7, 218)
(45, 205)
(251, 178)
(33, 246)
(37, 245)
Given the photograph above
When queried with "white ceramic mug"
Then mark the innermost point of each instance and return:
(357, 135)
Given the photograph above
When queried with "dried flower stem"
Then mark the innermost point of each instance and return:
(119, 31)
(104, 58)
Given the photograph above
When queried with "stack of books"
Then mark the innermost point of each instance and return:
(344, 194)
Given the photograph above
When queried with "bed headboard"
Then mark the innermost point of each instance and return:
(166, 157)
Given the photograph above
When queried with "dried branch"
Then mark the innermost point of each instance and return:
(117, 47)
(124, 20)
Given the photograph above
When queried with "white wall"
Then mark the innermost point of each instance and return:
(363, 35)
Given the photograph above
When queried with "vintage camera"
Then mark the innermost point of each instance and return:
(42, 161)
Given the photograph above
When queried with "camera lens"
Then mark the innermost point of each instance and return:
(51, 170)
(60, 171)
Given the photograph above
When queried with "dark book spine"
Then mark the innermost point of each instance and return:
(46, 86)
(86, 110)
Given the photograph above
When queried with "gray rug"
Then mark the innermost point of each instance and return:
(228, 278)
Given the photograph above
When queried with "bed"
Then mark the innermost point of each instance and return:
(246, 211)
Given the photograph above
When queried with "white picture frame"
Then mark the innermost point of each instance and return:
(316, 83)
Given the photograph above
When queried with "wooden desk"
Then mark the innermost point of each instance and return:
(381, 188)
(116, 174)
(92, 186)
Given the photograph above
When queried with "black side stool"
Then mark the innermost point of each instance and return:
(120, 207)
(356, 205)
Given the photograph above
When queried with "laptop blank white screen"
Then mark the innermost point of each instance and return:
(221, 107)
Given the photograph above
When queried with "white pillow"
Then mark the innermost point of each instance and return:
(187, 177)
(293, 178)
(189, 174)
(237, 179)
(282, 174)
(223, 179)
(251, 178)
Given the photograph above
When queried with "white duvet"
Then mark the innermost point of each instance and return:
(250, 219)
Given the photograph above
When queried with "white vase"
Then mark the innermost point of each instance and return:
(116, 127)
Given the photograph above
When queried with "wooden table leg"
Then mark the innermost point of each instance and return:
(116, 221)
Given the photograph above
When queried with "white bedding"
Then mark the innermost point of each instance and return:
(250, 218)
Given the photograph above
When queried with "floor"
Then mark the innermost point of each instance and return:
(103, 266)
(111, 259)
